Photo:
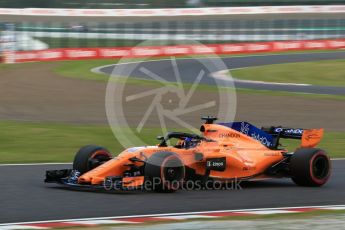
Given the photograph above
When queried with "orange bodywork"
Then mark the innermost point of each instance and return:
(245, 157)
(311, 138)
(133, 182)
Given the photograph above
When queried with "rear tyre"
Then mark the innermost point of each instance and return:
(89, 157)
(164, 172)
(310, 167)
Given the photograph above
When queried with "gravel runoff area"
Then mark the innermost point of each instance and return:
(35, 93)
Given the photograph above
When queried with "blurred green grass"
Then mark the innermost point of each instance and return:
(27, 142)
(325, 73)
(55, 142)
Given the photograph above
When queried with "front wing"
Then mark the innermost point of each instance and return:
(69, 178)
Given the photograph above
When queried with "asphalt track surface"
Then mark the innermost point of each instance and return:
(27, 198)
(190, 68)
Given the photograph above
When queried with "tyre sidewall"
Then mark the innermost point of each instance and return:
(301, 167)
(154, 172)
(82, 158)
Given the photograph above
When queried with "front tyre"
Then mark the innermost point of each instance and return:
(164, 172)
(310, 167)
(89, 157)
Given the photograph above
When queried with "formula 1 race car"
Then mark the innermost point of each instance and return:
(224, 152)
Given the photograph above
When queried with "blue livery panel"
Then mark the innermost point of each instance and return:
(251, 131)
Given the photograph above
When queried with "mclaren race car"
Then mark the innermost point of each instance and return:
(224, 152)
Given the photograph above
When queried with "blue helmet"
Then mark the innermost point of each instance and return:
(188, 142)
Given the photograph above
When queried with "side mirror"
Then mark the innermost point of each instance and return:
(160, 138)
(163, 142)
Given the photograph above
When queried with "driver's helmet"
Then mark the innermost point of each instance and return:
(188, 142)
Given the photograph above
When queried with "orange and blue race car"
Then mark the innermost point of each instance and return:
(224, 152)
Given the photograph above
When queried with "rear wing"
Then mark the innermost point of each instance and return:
(288, 133)
(309, 137)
